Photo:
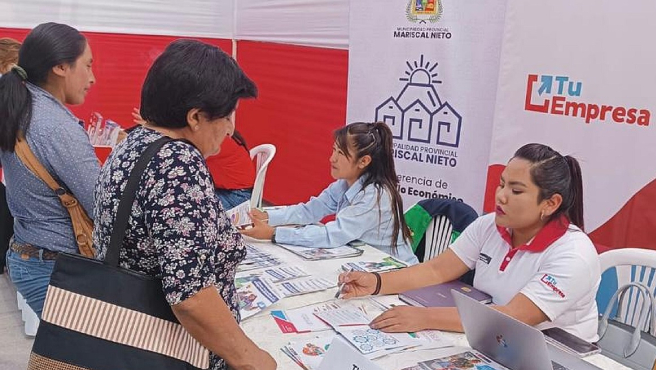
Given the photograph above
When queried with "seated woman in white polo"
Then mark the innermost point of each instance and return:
(531, 255)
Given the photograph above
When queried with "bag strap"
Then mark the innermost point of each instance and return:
(632, 346)
(28, 158)
(127, 198)
(68, 200)
(652, 308)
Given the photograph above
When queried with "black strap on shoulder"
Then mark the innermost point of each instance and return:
(127, 199)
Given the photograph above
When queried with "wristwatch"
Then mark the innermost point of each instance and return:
(273, 237)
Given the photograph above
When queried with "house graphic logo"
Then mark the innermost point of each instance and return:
(418, 114)
(421, 11)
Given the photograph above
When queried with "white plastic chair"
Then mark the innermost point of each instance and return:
(262, 154)
(629, 265)
(438, 236)
(439, 232)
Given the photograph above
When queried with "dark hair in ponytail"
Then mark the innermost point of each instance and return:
(576, 209)
(46, 46)
(236, 136)
(556, 174)
(375, 140)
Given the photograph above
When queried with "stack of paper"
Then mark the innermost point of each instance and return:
(257, 259)
(284, 273)
(254, 295)
(304, 285)
(384, 264)
(315, 254)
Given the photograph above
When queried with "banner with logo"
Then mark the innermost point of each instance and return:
(429, 69)
(581, 82)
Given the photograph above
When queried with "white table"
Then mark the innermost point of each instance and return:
(263, 330)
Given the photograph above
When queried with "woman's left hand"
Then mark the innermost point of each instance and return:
(260, 229)
(401, 319)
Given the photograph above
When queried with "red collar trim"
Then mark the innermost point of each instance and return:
(551, 232)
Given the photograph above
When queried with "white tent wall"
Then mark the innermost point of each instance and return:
(320, 23)
(199, 18)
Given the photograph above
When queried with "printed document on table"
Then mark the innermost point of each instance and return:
(309, 352)
(381, 265)
(368, 340)
(314, 254)
(303, 319)
(304, 285)
(254, 295)
(343, 316)
(257, 259)
(284, 273)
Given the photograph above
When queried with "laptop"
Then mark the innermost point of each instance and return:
(510, 342)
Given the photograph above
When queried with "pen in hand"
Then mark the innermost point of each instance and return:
(341, 286)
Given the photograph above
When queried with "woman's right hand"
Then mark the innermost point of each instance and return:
(261, 360)
(136, 117)
(357, 284)
(260, 215)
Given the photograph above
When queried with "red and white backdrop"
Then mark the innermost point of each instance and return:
(296, 52)
(576, 76)
(579, 77)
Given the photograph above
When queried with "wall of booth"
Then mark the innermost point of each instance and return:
(577, 76)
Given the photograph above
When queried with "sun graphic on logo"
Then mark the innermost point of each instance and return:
(419, 73)
(420, 78)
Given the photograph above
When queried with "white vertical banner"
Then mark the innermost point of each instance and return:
(581, 82)
(429, 69)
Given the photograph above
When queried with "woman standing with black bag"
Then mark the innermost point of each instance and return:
(177, 230)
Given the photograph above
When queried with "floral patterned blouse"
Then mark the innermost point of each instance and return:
(177, 229)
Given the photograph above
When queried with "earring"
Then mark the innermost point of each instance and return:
(196, 128)
(542, 215)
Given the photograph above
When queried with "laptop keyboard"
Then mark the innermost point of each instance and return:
(557, 366)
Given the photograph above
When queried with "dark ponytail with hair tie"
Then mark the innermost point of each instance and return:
(556, 174)
(576, 208)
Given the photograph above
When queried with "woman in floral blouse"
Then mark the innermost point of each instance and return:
(178, 229)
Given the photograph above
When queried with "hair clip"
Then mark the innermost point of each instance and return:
(19, 71)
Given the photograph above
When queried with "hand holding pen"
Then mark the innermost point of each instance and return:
(342, 283)
(356, 284)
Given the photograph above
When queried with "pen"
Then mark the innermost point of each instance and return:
(341, 286)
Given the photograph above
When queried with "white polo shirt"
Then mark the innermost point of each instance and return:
(558, 270)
